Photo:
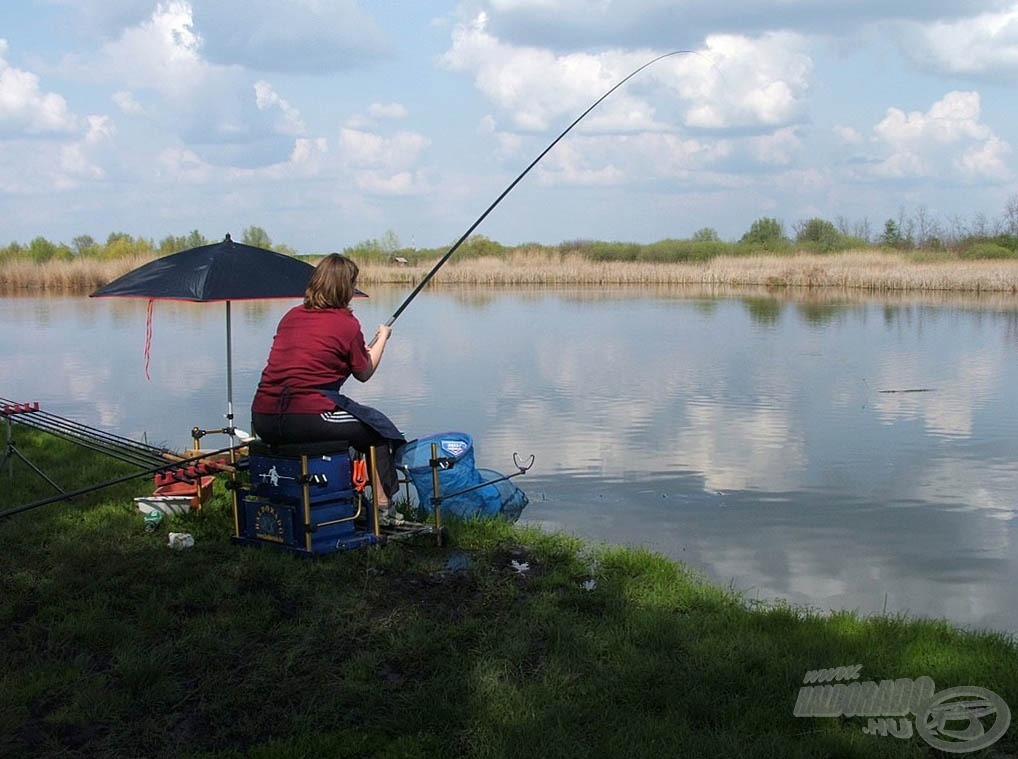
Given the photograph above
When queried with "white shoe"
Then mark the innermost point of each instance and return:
(390, 517)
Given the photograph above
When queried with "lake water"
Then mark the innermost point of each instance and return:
(835, 452)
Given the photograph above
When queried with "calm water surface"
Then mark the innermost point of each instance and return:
(839, 454)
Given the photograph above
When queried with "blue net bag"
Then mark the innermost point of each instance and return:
(500, 499)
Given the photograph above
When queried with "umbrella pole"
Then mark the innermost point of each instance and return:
(229, 378)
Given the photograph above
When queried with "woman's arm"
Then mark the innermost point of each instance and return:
(375, 352)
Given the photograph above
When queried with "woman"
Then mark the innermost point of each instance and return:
(317, 345)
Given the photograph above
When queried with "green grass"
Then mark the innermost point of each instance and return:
(112, 644)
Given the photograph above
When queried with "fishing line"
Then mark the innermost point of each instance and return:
(448, 254)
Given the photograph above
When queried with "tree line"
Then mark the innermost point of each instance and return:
(121, 244)
(916, 231)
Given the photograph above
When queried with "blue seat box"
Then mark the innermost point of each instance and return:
(282, 524)
(278, 475)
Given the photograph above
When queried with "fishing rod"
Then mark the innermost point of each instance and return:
(186, 473)
(99, 441)
(507, 190)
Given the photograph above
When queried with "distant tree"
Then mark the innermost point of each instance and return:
(818, 234)
(85, 245)
(257, 237)
(477, 246)
(118, 236)
(859, 229)
(14, 250)
(929, 233)
(195, 239)
(906, 229)
(764, 231)
(707, 234)
(981, 226)
(40, 249)
(172, 244)
(363, 248)
(389, 242)
(121, 246)
(1011, 216)
(892, 235)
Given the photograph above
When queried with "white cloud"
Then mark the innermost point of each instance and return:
(734, 81)
(601, 160)
(738, 81)
(763, 113)
(99, 129)
(948, 138)
(127, 103)
(383, 165)
(568, 164)
(266, 98)
(25, 108)
(182, 165)
(362, 149)
(189, 100)
(985, 43)
(163, 53)
(387, 111)
(599, 24)
(536, 87)
(756, 87)
(379, 183)
(304, 36)
(375, 113)
(305, 150)
(777, 148)
(986, 159)
(848, 135)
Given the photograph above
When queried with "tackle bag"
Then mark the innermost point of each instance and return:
(491, 500)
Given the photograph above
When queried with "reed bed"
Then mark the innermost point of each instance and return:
(77, 277)
(854, 270)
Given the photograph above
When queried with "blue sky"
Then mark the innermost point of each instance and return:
(330, 122)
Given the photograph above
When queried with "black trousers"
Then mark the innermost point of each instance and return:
(301, 428)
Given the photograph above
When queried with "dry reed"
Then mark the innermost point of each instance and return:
(77, 277)
(853, 270)
(859, 270)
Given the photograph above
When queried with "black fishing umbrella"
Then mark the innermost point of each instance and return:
(223, 271)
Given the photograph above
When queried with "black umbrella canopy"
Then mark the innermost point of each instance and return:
(221, 271)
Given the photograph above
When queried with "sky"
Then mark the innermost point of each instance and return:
(328, 123)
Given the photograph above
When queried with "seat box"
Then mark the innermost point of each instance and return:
(272, 521)
(279, 477)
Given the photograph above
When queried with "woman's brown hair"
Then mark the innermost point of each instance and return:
(333, 283)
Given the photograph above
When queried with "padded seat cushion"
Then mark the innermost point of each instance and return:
(295, 450)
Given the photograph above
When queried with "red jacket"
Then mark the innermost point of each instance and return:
(313, 348)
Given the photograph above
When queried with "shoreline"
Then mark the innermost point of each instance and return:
(523, 642)
(882, 272)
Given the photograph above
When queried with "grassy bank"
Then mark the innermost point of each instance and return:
(860, 270)
(114, 645)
